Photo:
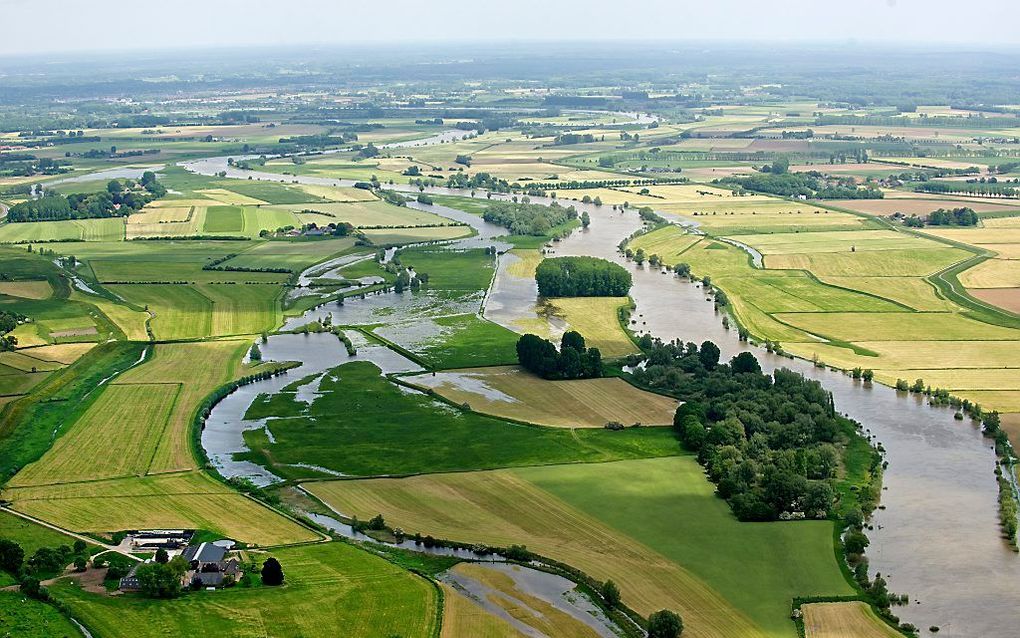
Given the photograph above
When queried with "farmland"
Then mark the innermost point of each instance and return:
(328, 585)
(600, 532)
(235, 299)
(514, 394)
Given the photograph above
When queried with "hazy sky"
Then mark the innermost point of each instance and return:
(38, 26)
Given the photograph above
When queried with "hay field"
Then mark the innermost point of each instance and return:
(915, 292)
(131, 322)
(382, 236)
(992, 273)
(370, 213)
(201, 310)
(230, 197)
(338, 193)
(27, 289)
(524, 607)
(870, 263)
(110, 229)
(596, 318)
(182, 500)
(513, 393)
(914, 206)
(116, 437)
(836, 242)
(331, 589)
(725, 578)
(669, 243)
(463, 617)
(853, 619)
(894, 326)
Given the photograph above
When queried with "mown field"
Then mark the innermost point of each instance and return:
(328, 586)
(28, 618)
(512, 393)
(839, 620)
(699, 564)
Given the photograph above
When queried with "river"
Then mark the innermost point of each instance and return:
(936, 536)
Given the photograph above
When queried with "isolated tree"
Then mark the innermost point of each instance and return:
(610, 593)
(585, 219)
(665, 624)
(11, 556)
(162, 556)
(272, 572)
(709, 354)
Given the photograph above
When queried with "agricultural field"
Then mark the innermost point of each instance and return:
(697, 566)
(111, 229)
(837, 620)
(329, 585)
(362, 424)
(512, 393)
(28, 618)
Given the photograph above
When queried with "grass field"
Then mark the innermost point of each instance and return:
(363, 425)
(844, 620)
(29, 535)
(396, 236)
(512, 393)
(223, 220)
(194, 311)
(328, 586)
(296, 255)
(28, 618)
(455, 341)
(370, 213)
(725, 578)
(27, 289)
(871, 263)
(111, 229)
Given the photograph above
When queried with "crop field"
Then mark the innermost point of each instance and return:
(362, 424)
(841, 620)
(1007, 298)
(993, 273)
(913, 292)
(111, 229)
(920, 206)
(370, 213)
(222, 220)
(597, 318)
(699, 566)
(522, 606)
(464, 617)
(296, 255)
(836, 242)
(329, 585)
(512, 393)
(856, 326)
(27, 289)
(338, 193)
(873, 263)
(202, 310)
(188, 500)
(390, 236)
(669, 243)
(127, 418)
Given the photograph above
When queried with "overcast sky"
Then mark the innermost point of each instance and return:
(39, 26)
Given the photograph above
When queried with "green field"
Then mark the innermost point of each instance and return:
(27, 618)
(110, 229)
(328, 586)
(223, 220)
(459, 341)
(361, 424)
(202, 310)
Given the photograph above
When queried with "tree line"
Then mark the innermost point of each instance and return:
(119, 199)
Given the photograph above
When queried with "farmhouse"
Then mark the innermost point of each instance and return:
(209, 567)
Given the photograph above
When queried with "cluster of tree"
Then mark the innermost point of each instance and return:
(528, 219)
(1007, 167)
(944, 217)
(120, 198)
(482, 180)
(581, 277)
(572, 361)
(778, 181)
(43, 563)
(564, 139)
(8, 322)
(769, 443)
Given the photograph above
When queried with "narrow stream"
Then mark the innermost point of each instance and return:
(937, 535)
